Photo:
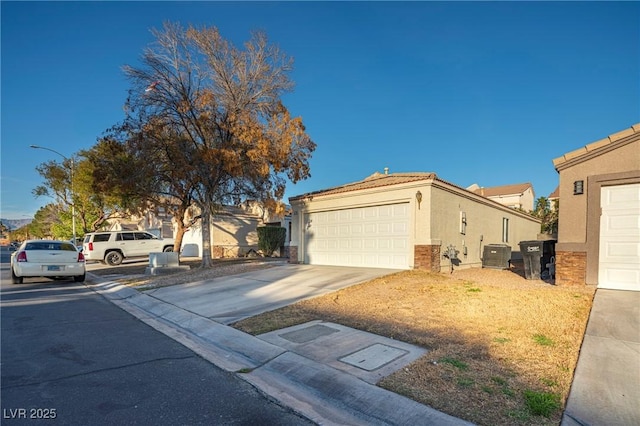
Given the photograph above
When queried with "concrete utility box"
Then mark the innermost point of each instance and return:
(157, 260)
(496, 256)
(164, 263)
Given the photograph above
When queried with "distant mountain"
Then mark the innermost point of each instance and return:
(15, 223)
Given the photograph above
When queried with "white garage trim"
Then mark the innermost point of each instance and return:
(619, 263)
(375, 236)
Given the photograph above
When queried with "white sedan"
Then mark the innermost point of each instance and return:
(47, 258)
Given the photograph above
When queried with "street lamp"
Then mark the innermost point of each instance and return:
(73, 204)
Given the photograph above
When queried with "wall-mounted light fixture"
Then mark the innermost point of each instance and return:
(419, 198)
(578, 187)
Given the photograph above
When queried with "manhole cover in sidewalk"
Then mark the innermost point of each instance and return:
(308, 334)
(373, 357)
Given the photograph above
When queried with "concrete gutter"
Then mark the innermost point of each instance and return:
(318, 391)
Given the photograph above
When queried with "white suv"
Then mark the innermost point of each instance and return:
(114, 246)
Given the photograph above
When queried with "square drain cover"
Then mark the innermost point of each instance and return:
(374, 357)
(308, 334)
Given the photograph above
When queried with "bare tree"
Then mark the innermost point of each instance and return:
(221, 107)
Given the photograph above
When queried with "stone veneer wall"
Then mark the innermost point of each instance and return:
(427, 257)
(293, 254)
(571, 268)
(225, 252)
(217, 252)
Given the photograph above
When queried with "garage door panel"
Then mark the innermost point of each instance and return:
(621, 276)
(622, 224)
(371, 236)
(400, 244)
(622, 251)
(400, 228)
(621, 197)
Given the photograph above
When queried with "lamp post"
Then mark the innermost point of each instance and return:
(73, 205)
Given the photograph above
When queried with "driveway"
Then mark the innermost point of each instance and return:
(232, 298)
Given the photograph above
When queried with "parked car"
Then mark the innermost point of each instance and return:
(114, 246)
(47, 258)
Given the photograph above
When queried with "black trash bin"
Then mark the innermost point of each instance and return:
(536, 255)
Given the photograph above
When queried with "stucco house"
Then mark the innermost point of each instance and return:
(234, 232)
(599, 214)
(554, 198)
(403, 221)
(517, 196)
(158, 222)
(233, 229)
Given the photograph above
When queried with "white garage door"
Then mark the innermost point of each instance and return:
(620, 238)
(376, 236)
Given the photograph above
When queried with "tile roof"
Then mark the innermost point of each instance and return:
(376, 180)
(595, 146)
(495, 191)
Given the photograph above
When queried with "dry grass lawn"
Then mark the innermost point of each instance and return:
(495, 340)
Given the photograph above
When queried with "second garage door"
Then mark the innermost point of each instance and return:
(376, 236)
(619, 267)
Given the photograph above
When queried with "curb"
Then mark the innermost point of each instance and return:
(318, 392)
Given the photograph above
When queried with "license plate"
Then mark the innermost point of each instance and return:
(53, 268)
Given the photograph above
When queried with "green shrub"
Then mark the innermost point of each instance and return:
(270, 238)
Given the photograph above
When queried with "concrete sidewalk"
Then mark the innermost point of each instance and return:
(324, 371)
(606, 384)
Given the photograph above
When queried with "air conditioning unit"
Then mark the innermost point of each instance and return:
(496, 256)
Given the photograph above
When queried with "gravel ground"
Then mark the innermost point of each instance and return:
(501, 277)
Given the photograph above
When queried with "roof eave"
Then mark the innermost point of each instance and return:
(597, 148)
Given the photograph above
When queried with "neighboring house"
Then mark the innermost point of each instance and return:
(233, 230)
(599, 214)
(518, 196)
(402, 221)
(554, 198)
(157, 223)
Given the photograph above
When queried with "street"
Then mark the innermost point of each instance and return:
(71, 357)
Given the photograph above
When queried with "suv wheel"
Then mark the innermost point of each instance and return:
(113, 258)
(168, 249)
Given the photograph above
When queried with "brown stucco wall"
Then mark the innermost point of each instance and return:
(611, 161)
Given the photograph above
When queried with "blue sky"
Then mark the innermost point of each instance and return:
(476, 92)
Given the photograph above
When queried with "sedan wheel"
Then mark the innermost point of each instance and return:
(168, 249)
(113, 258)
(15, 279)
